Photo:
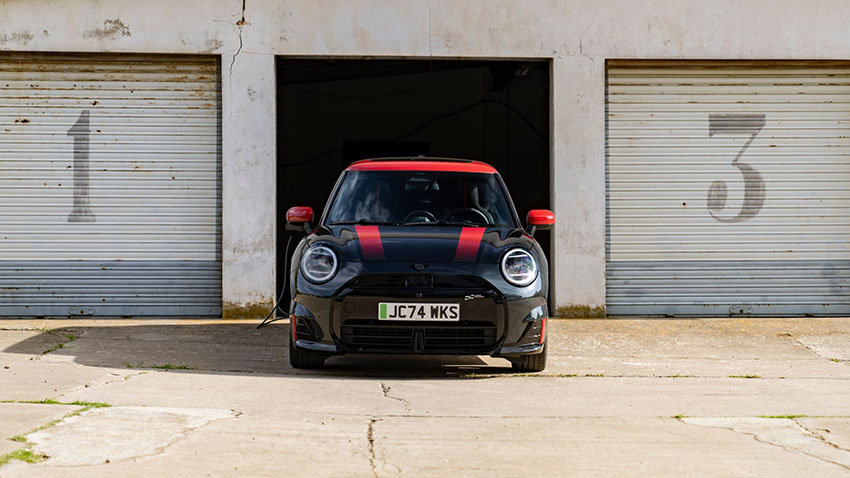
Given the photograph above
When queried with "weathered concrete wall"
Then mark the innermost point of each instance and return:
(578, 35)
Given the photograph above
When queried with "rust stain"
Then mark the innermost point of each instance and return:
(254, 310)
(111, 30)
(580, 311)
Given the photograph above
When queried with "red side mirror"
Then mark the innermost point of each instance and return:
(542, 219)
(298, 215)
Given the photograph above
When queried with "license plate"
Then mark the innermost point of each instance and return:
(419, 311)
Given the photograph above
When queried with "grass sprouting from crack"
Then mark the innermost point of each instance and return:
(745, 376)
(788, 417)
(162, 366)
(46, 401)
(53, 349)
(70, 336)
(50, 401)
(171, 366)
(835, 360)
(23, 454)
(19, 438)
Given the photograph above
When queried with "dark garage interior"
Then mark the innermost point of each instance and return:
(331, 113)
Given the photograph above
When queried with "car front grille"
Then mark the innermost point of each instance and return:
(465, 336)
(423, 282)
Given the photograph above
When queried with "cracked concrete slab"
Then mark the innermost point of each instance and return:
(563, 446)
(37, 380)
(21, 418)
(113, 434)
(783, 433)
(271, 443)
(835, 346)
(603, 408)
(833, 430)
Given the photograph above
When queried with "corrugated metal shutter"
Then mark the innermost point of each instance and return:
(110, 185)
(728, 188)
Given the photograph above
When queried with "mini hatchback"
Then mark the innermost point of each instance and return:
(419, 256)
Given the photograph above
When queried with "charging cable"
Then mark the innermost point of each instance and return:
(276, 306)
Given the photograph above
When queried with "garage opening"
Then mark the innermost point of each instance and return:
(332, 112)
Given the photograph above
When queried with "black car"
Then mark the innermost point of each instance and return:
(419, 256)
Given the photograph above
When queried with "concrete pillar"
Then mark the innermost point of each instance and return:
(248, 184)
(578, 185)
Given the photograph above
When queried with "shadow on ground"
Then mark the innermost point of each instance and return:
(227, 348)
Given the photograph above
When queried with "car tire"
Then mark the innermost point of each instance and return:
(300, 358)
(530, 363)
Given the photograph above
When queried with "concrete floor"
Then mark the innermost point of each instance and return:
(619, 398)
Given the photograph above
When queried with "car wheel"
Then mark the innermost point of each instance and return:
(530, 363)
(300, 358)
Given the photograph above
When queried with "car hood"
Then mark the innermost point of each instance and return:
(421, 244)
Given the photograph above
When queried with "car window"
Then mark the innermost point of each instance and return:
(421, 197)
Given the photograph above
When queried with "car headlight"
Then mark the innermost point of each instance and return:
(319, 264)
(519, 267)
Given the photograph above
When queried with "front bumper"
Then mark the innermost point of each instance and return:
(490, 324)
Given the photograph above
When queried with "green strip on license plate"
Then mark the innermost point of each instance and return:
(418, 311)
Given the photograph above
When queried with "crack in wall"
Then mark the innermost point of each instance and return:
(582, 53)
(239, 24)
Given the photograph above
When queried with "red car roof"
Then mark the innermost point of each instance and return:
(422, 164)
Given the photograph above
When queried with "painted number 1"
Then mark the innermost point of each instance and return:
(754, 187)
(81, 210)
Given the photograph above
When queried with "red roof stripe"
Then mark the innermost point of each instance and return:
(424, 165)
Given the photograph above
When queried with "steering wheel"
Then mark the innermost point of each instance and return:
(472, 210)
(420, 213)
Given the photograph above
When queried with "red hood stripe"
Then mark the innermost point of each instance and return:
(370, 242)
(467, 246)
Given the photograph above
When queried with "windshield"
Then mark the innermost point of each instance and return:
(421, 197)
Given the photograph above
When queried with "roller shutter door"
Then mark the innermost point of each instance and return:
(728, 188)
(110, 185)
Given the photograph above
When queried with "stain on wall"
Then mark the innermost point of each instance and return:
(253, 310)
(21, 37)
(111, 30)
(579, 311)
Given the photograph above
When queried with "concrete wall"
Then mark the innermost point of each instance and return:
(578, 35)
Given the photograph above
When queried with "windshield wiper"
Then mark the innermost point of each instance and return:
(365, 222)
(444, 223)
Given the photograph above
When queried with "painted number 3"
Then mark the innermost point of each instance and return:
(754, 187)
